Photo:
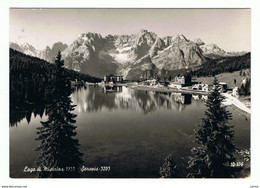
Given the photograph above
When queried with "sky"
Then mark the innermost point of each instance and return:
(230, 29)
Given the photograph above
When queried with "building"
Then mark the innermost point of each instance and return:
(200, 87)
(164, 83)
(152, 82)
(182, 98)
(183, 80)
(180, 81)
(112, 89)
(112, 78)
(223, 86)
(175, 85)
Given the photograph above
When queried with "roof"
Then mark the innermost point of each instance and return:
(222, 83)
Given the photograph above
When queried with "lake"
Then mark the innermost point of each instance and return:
(127, 131)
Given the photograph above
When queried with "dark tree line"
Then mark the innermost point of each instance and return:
(31, 80)
(26, 65)
(224, 64)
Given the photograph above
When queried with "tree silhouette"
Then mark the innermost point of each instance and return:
(168, 169)
(245, 88)
(59, 63)
(214, 153)
(58, 149)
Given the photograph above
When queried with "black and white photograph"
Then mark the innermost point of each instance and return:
(129, 93)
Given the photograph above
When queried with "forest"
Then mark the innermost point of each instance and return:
(31, 82)
(21, 63)
(224, 64)
(211, 68)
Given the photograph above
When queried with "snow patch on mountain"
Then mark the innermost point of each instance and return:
(131, 56)
(124, 50)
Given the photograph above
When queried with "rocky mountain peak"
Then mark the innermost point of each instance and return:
(129, 55)
(146, 37)
(27, 46)
(198, 41)
(143, 31)
(89, 36)
(179, 39)
(16, 47)
(146, 32)
(210, 48)
(212, 51)
(47, 48)
(167, 40)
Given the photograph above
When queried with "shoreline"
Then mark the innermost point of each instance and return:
(240, 112)
(186, 91)
(231, 102)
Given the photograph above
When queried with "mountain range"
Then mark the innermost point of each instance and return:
(132, 56)
(48, 54)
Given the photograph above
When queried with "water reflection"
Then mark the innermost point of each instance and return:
(29, 96)
(24, 107)
(199, 97)
(27, 110)
(111, 89)
(59, 154)
(94, 99)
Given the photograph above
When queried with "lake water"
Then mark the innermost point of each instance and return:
(130, 131)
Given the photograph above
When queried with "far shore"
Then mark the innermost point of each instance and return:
(231, 102)
(164, 89)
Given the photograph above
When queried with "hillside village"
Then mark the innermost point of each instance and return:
(191, 85)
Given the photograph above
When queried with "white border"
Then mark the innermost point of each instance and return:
(201, 183)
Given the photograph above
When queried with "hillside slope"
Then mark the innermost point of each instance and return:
(228, 78)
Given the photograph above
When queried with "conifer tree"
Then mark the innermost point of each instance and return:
(168, 169)
(58, 147)
(214, 153)
(59, 63)
(245, 88)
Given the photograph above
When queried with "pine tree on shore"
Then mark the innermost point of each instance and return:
(213, 156)
(58, 148)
